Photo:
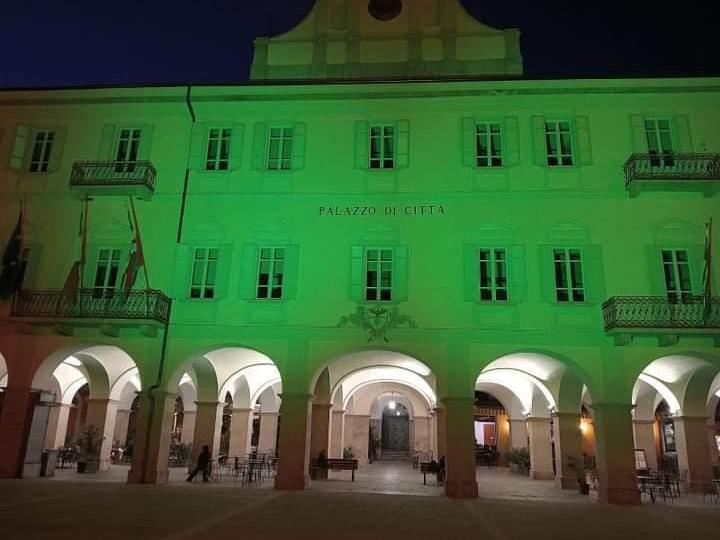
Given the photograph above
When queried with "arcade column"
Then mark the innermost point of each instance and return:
(101, 415)
(541, 466)
(268, 432)
(693, 451)
(240, 432)
(569, 460)
(337, 429)
(208, 421)
(294, 451)
(320, 438)
(152, 438)
(644, 438)
(460, 482)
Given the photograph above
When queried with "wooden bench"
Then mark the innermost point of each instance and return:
(335, 464)
(428, 468)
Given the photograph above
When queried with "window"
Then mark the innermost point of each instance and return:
(128, 147)
(659, 142)
(488, 144)
(280, 149)
(558, 139)
(569, 283)
(41, 150)
(218, 149)
(382, 147)
(378, 274)
(271, 271)
(493, 275)
(676, 268)
(106, 272)
(204, 273)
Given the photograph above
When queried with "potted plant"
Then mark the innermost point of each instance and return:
(89, 444)
(348, 453)
(519, 460)
(579, 468)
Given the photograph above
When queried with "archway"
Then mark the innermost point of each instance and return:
(3, 379)
(673, 417)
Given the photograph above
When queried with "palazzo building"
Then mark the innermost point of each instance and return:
(386, 234)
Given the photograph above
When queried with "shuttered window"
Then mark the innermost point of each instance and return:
(378, 274)
(204, 273)
(488, 144)
(280, 149)
(569, 281)
(41, 151)
(217, 157)
(492, 274)
(382, 147)
(676, 269)
(271, 273)
(558, 141)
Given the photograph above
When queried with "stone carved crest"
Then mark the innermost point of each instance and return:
(377, 320)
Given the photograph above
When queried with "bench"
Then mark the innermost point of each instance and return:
(335, 464)
(428, 468)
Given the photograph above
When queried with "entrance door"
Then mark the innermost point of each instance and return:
(396, 428)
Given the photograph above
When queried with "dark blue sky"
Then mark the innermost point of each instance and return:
(99, 42)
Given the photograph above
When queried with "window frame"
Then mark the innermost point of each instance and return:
(203, 285)
(661, 157)
(283, 142)
(46, 146)
(490, 155)
(493, 288)
(225, 135)
(681, 296)
(105, 290)
(556, 134)
(382, 159)
(570, 287)
(378, 287)
(270, 286)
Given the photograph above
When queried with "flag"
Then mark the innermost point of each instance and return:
(136, 260)
(707, 273)
(73, 282)
(11, 273)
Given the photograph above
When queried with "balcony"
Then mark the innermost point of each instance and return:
(90, 307)
(102, 178)
(625, 316)
(672, 172)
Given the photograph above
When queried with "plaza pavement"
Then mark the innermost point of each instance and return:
(510, 507)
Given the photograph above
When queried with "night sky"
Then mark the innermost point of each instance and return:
(101, 42)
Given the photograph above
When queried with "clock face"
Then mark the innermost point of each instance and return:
(385, 10)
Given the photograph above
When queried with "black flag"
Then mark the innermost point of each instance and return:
(11, 275)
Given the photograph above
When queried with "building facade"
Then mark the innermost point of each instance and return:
(386, 215)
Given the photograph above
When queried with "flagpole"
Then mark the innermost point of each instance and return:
(139, 244)
(707, 275)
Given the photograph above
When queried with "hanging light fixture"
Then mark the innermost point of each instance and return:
(391, 403)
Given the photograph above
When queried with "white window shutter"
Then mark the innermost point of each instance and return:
(546, 267)
(684, 136)
(356, 273)
(21, 147)
(362, 145)
(639, 137)
(582, 134)
(106, 151)
(181, 277)
(401, 274)
(292, 270)
(198, 146)
(260, 141)
(517, 269)
(237, 143)
(471, 273)
(146, 140)
(402, 159)
(248, 270)
(539, 141)
(469, 147)
(224, 270)
(510, 142)
(299, 145)
(58, 149)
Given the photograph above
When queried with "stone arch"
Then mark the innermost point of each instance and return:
(3, 372)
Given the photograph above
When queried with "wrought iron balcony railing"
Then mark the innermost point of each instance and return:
(677, 167)
(649, 312)
(113, 174)
(150, 305)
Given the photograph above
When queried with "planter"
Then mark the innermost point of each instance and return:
(583, 488)
(88, 467)
(81, 466)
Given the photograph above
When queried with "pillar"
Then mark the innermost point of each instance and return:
(294, 451)
(357, 434)
(421, 441)
(541, 465)
(337, 428)
(101, 415)
(57, 425)
(268, 432)
(712, 430)
(502, 429)
(433, 434)
(693, 452)
(569, 459)
(460, 482)
(518, 433)
(208, 421)
(588, 436)
(152, 438)
(441, 433)
(15, 423)
(188, 427)
(240, 431)
(122, 419)
(644, 438)
(320, 432)
(615, 453)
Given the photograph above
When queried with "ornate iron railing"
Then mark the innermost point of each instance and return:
(149, 305)
(659, 312)
(672, 167)
(113, 173)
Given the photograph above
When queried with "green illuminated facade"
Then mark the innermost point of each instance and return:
(387, 208)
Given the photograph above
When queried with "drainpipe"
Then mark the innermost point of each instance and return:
(163, 351)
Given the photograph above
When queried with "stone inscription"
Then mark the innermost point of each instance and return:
(387, 210)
